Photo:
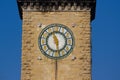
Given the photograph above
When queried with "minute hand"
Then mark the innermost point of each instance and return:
(56, 41)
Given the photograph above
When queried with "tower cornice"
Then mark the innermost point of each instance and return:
(57, 6)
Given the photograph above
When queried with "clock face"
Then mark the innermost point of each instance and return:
(56, 41)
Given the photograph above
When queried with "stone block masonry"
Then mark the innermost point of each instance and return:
(35, 66)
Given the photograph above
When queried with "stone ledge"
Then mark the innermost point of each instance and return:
(57, 6)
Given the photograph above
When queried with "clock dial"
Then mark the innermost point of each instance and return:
(56, 41)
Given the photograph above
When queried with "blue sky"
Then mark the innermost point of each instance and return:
(105, 41)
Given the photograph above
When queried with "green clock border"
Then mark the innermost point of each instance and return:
(53, 25)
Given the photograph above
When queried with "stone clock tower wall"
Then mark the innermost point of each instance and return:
(36, 66)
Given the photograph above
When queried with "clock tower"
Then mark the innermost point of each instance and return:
(56, 39)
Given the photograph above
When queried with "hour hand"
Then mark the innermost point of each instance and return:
(56, 41)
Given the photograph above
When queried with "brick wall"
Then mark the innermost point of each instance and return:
(34, 68)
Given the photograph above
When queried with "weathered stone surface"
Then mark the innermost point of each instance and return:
(44, 69)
